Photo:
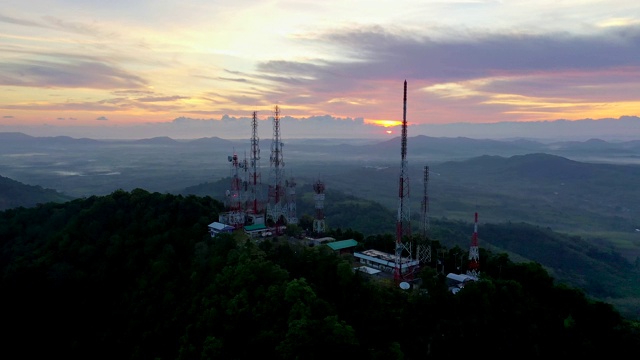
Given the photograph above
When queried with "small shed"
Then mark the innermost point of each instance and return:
(216, 228)
(256, 230)
(343, 246)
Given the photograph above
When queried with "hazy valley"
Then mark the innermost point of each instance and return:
(583, 189)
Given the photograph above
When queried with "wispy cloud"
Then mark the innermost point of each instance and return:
(161, 98)
(81, 74)
(469, 61)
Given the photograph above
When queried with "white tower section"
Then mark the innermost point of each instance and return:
(319, 226)
(291, 211)
(235, 216)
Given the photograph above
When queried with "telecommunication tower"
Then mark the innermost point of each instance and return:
(290, 206)
(276, 204)
(424, 249)
(403, 225)
(235, 216)
(319, 226)
(474, 252)
(255, 197)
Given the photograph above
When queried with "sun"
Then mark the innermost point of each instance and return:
(384, 123)
(389, 132)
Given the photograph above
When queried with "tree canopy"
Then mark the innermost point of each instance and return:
(136, 275)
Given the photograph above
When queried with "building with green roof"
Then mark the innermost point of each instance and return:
(343, 246)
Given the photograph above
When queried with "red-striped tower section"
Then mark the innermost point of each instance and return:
(474, 252)
(403, 225)
(318, 223)
(235, 215)
(290, 205)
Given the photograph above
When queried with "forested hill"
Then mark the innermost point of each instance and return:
(135, 275)
(15, 194)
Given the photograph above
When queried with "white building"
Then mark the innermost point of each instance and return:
(384, 261)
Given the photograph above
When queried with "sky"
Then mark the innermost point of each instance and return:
(198, 68)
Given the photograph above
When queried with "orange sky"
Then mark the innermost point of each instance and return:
(117, 63)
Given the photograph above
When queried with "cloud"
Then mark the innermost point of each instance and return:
(8, 117)
(16, 21)
(383, 54)
(74, 74)
(132, 92)
(102, 118)
(104, 105)
(161, 98)
(468, 70)
(74, 27)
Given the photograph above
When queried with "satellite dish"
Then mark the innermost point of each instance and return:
(404, 285)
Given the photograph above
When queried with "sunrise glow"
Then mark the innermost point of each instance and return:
(384, 123)
(329, 64)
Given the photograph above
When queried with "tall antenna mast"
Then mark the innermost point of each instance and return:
(255, 194)
(276, 205)
(403, 225)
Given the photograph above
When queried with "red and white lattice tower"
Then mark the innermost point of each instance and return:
(254, 194)
(235, 216)
(319, 226)
(244, 188)
(290, 213)
(403, 224)
(474, 252)
(276, 205)
(424, 249)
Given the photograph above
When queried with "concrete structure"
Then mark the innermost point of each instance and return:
(367, 270)
(320, 241)
(386, 262)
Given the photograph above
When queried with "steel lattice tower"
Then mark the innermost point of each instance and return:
(244, 182)
(254, 201)
(319, 226)
(424, 250)
(291, 211)
(276, 204)
(235, 216)
(474, 252)
(403, 224)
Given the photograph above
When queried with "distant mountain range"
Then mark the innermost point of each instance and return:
(611, 129)
(623, 128)
(421, 147)
(15, 194)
